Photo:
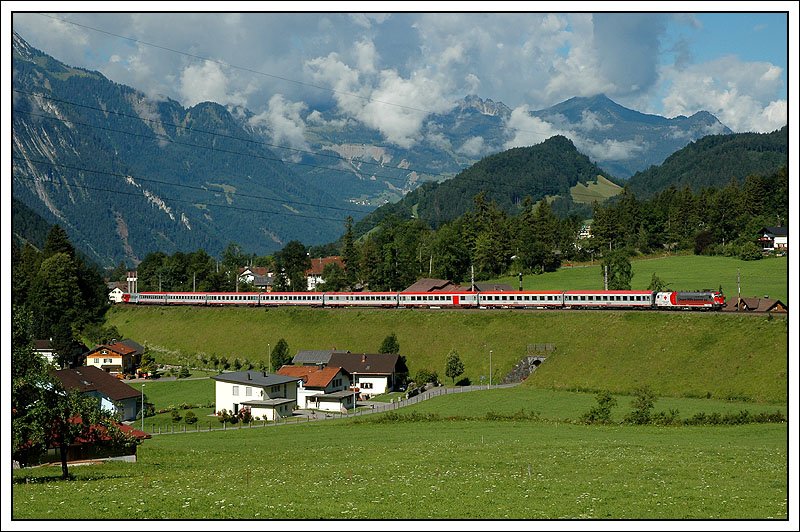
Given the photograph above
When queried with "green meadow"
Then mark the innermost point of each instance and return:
(429, 470)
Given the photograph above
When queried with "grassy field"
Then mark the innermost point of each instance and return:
(725, 355)
(683, 272)
(436, 470)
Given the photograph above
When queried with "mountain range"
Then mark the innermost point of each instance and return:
(126, 174)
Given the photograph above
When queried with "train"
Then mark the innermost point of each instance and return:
(549, 299)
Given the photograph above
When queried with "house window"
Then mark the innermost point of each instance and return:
(248, 391)
(96, 360)
(366, 385)
(235, 390)
(275, 389)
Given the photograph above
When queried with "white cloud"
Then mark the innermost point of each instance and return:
(529, 130)
(740, 94)
(207, 82)
(285, 125)
(473, 147)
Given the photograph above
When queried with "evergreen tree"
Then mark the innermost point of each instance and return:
(280, 355)
(390, 345)
(349, 254)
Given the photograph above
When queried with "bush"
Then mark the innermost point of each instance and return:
(183, 373)
(425, 376)
(176, 416)
(750, 251)
(190, 418)
(642, 404)
(602, 412)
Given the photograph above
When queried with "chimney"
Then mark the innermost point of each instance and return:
(249, 377)
(364, 357)
(265, 373)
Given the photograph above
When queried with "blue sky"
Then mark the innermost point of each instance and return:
(389, 70)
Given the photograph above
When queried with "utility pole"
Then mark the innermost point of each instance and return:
(430, 267)
(472, 266)
(194, 282)
(605, 277)
(520, 281)
(738, 291)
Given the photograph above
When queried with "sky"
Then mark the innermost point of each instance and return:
(389, 70)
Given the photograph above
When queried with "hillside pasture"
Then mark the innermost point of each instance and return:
(724, 355)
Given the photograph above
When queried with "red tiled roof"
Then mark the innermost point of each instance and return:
(42, 345)
(313, 377)
(318, 264)
(257, 270)
(118, 348)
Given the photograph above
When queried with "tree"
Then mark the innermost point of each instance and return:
(619, 270)
(58, 242)
(453, 365)
(390, 345)
(280, 354)
(44, 414)
(293, 262)
(657, 284)
(349, 254)
(54, 294)
(334, 278)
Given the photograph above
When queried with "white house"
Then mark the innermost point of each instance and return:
(314, 274)
(372, 374)
(320, 387)
(774, 238)
(115, 396)
(267, 395)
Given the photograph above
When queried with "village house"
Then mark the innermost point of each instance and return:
(322, 388)
(259, 277)
(117, 358)
(372, 374)
(116, 290)
(774, 238)
(115, 396)
(314, 274)
(266, 395)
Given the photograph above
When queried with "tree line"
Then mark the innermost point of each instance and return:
(487, 242)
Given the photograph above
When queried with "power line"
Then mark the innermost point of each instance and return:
(191, 187)
(177, 200)
(164, 138)
(218, 134)
(253, 71)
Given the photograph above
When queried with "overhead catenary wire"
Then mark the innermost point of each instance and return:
(177, 200)
(265, 74)
(164, 138)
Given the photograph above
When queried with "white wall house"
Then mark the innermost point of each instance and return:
(320, 387)
(372, 374)
(267, 395)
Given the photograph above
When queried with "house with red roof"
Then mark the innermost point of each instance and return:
(314, 274)
(321, 387)
(114, 395)
(118, 358)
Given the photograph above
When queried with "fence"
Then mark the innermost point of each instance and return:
(375, 408)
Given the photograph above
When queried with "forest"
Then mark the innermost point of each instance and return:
(490, 242)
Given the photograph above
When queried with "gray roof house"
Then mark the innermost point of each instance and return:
(264, 394)
(314, 358)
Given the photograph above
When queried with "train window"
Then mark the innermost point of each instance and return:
(583, 298)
